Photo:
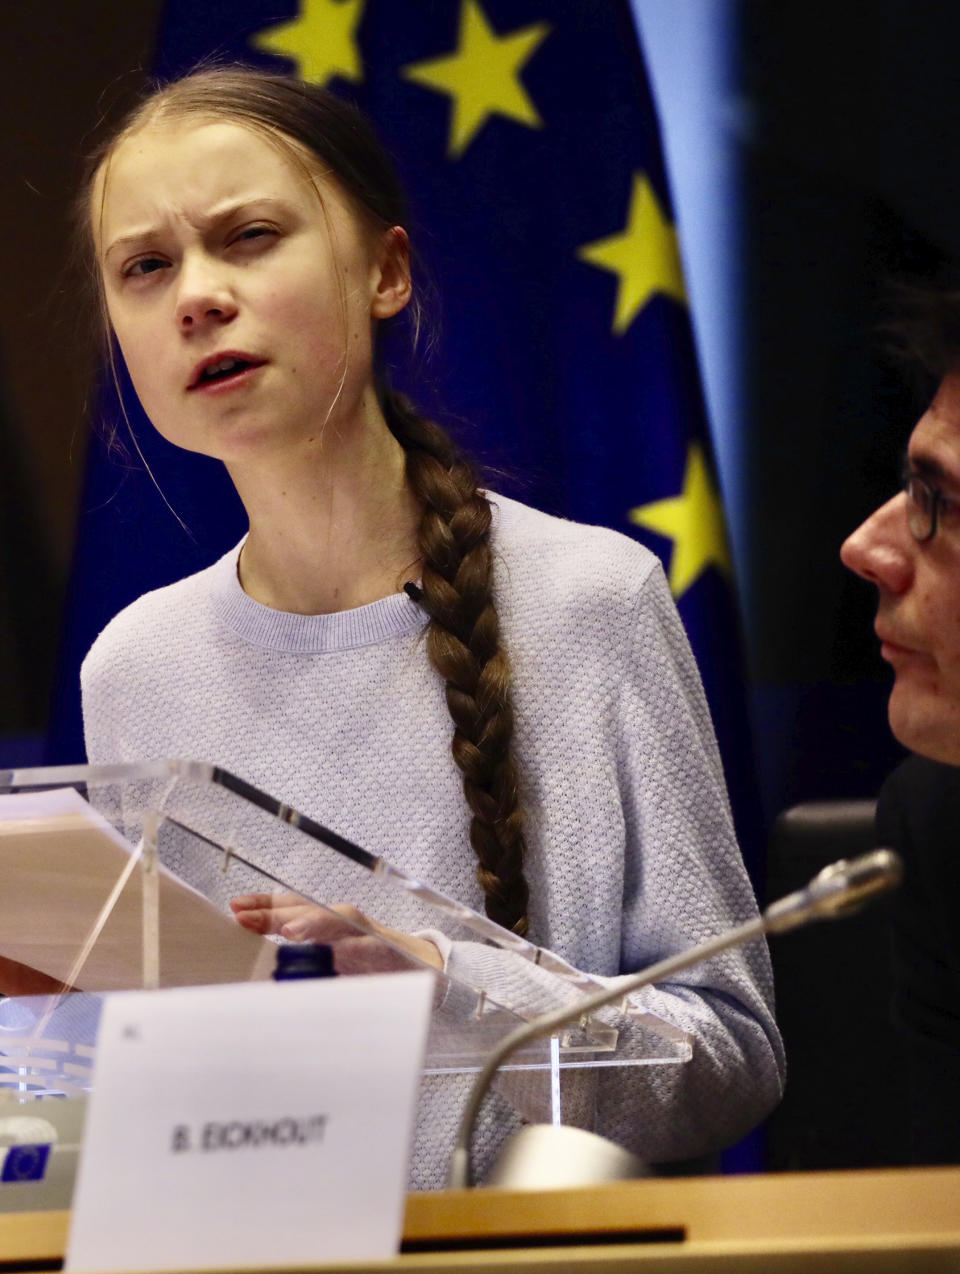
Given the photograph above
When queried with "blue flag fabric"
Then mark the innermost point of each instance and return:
(527, 138)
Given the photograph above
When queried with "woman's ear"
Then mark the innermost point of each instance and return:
(391, 278)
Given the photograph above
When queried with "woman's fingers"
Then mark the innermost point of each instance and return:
(264, 902)
(307, 923)
(360, 945)
(291, 917)
(268, 913)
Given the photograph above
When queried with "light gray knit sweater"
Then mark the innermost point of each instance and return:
(631, 850)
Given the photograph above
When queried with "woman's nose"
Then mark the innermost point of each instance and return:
(882, 549)
(205, 297)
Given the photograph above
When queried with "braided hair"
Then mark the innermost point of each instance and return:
(318, 130)
(464, 646)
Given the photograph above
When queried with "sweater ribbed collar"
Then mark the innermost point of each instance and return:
(306, 634)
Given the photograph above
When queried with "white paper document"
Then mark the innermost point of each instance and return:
(60, 859)
(254, 1125)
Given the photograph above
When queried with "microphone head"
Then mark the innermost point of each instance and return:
(839, 890)
(846, 886)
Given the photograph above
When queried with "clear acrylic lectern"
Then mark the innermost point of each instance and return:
(120, 877)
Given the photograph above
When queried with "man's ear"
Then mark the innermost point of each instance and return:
(391, 277)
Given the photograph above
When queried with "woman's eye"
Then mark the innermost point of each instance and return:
(250, 234)
(146, 265)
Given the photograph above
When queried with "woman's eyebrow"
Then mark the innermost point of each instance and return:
(131, 240)
(230, 208)
(203, 222)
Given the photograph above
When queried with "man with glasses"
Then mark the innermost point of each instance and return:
(910, 549)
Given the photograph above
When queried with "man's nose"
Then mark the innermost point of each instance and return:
(882, 549)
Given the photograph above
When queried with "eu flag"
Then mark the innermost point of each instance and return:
(25, 1163)
(527, 138)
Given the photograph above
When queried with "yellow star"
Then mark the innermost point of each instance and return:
(322, 41)
(644, 255)
(693, 520)
(482, 76)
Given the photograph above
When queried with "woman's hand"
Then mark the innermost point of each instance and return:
(353, 951)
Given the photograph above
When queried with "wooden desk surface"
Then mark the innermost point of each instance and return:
(893, 1221)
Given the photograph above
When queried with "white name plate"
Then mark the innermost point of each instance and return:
(250, 1125)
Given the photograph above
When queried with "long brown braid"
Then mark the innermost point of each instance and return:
(464, 646)
(463, 639)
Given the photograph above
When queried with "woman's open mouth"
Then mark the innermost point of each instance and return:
(223, 370)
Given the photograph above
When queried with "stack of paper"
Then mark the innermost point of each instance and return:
(59, 861)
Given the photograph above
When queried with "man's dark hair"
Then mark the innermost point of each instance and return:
(925, 332)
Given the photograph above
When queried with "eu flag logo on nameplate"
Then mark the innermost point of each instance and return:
(25, 1163)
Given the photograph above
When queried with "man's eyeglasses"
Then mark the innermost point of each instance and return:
(925, 505)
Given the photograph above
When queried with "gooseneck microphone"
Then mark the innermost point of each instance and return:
(839, 890)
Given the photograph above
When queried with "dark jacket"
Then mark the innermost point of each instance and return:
(918, 814)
